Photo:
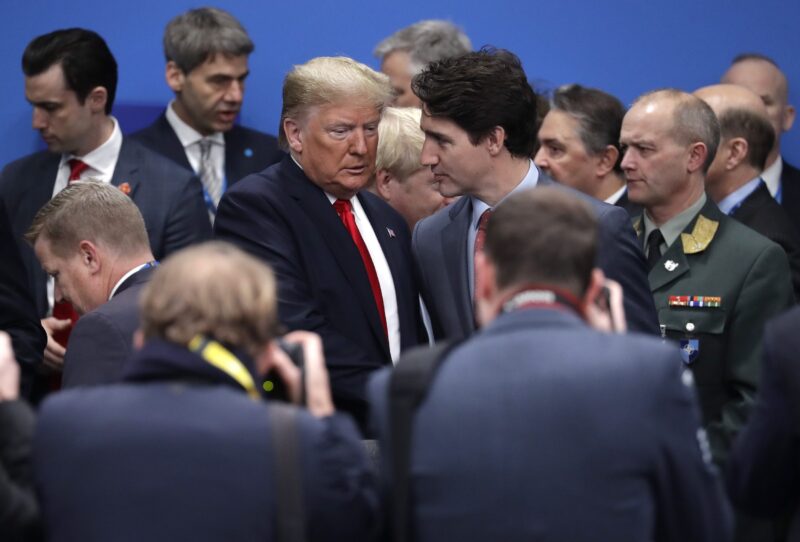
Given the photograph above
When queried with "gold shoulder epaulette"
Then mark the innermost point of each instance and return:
(701, 236)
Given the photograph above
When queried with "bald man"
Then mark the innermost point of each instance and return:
(734, 178)
(762, 75)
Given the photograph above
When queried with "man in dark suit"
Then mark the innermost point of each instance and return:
(734, 181)
(185, 448)
(341, 255)
(579, 144)
(761, 74)
(575, 436)
(100, 266)
(478, 144)
(715, 281)
(763, 473)
(207, 52)
(70, 81)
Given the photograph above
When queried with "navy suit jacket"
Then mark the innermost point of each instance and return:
(182, 457)
(246, 151)
(102, 340)
(283, 218)
(17, 312)
(790, 192)
(169, 198)
(763, 471)
(440, 250)
(760, 212)
(538, 428)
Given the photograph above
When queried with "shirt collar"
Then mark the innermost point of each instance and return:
(186, 134)
(614, 198)
(125, 277)
(673, 227)
(772, 176)
(103, 158)
(735, 198)
(530, 180)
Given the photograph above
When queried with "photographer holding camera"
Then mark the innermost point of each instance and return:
(185, 447)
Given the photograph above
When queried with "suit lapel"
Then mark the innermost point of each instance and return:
(454, 252)
(171, 146)
(125, 172)
(694, 239)
(314, 203)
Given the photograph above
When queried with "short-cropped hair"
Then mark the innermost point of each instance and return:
(598, 114)
(400, 141)
(90, 210)
(325, 80)
(753, 128)
(693, 120)
(479, 91)
(197, 35)
(426, 41)
(545, 236)
(84, 57)
(215, 290)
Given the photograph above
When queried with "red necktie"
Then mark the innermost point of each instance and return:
(345, 211)
(76, 167)
(480, 239)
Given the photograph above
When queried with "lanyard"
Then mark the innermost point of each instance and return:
(224, 360)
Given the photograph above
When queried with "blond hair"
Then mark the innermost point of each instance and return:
(400, 141)
(90, 210)
(213, 289)
(324, 80)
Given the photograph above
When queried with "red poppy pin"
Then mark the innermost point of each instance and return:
(125, 188)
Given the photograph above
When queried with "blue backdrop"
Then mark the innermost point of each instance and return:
(625, 47)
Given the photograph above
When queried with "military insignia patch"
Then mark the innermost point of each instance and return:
(690, 349)
(701, 236)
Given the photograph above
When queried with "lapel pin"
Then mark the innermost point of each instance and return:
(248, 152)
(670, 265)
(125, 188)
(390, 231)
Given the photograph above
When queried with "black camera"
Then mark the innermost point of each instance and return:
(273, 385)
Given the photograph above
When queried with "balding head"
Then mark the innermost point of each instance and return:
(742, 115)
(762, 76)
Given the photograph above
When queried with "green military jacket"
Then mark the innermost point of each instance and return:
(714, 289)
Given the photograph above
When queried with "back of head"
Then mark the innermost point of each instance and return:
(426, 41)
(741, 114)
(753, 128)
(545, 236)
(400, 141)
(193, 37)
(84, 57)
(599, 116)
(325, 80)
(215, 290)
(93, 211)
(693, 121)
(479, 91)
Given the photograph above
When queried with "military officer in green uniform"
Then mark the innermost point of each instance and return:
(715, 282)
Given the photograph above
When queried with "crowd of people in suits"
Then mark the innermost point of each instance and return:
(436, 306)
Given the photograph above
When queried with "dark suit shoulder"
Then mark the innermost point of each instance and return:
(14, 178)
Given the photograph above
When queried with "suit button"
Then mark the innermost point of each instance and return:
(689, 327)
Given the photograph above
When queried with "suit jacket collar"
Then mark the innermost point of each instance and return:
(315, 204)
(753, 201)
(125, 177)
(534, 319)
(140, 277)
(695, 239)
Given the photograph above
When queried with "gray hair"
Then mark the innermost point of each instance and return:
(194, 36)
(400, 142)
(325, 80)
(426, 42)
